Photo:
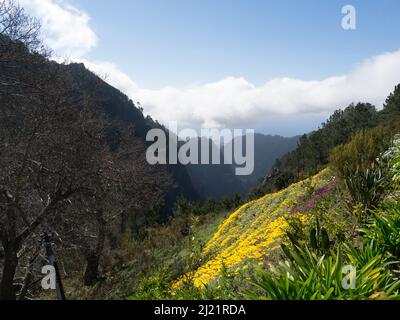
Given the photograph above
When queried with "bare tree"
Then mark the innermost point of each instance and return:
(63, 165)
(38, 174)
(24, 101)
(16, 25)
(119, 180)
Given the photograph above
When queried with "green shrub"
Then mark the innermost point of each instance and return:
(394, 154)
(359, 165)
(308, 276)
(361, 152)
(384, 230)
(156, 287)
(368, 187)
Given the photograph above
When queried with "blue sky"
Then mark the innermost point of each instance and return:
(280, 67)
(178, 42)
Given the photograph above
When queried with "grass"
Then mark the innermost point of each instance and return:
(144, 269)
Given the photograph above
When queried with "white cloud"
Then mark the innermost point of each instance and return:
(236, 101)
(65, 28)
(232, 101)
(111, 73)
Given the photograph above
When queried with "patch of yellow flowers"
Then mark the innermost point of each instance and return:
(253, 232)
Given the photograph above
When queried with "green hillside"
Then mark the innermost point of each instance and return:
(297, 243)
(255, 231)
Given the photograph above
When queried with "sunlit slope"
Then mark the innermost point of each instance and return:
(254, 231)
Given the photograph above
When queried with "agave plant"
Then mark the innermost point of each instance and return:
(319, 238)
(308, 276)
(368, 187)
(384, 230)
(395, 161)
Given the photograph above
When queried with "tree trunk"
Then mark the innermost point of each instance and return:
(92, 269)
(7, 290)
(91, 275)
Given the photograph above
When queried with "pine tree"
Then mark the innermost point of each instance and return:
(392, 103)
